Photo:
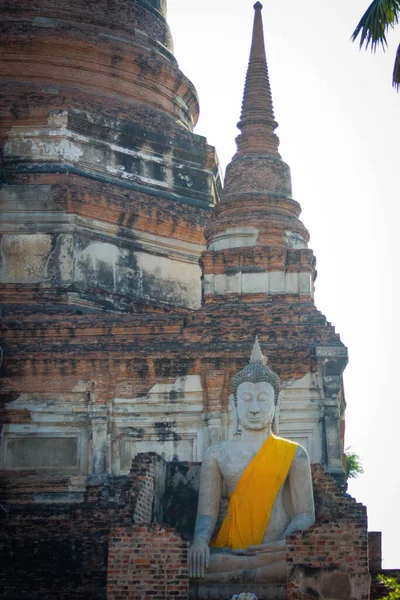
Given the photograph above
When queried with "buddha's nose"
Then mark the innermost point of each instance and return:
(254, 408)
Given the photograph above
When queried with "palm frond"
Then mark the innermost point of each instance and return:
(372, 28)
(396, 70)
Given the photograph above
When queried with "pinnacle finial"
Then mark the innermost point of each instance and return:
(256, 354)
(257, 121)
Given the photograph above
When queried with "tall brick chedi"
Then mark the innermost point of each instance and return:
(131, 294)
(113, 187)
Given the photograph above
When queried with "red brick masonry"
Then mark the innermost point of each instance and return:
(331, 559)
(147, 562)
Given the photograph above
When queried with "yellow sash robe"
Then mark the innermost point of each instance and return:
(251, 503)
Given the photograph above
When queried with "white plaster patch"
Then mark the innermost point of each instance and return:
(119, 171)
(56, 438)
(299, 417)
(255, 283)
(277, 282)
(169, 449)
(48, 145)
(306, 283)
(171, 281)
(234, 238)
(25, 257)
(56, 142)
(295, 241)
(208, 284)
(65, 258)
(268, 282)
(221, 285)
(31, 199)
(58, 118)
(189, 384)
(169, 420)
(292, 283)
(97, 263)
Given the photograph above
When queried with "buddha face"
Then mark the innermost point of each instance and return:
(255, 404)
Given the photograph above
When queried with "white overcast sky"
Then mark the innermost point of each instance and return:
(339, 126)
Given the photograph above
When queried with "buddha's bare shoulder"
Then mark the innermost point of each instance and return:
(301, 461)
(301, 453)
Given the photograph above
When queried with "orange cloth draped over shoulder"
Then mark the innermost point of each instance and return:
(251, 503)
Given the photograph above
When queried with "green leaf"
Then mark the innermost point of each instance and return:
(392, 585)
(353, 465)
(372, 28)
(396, 70)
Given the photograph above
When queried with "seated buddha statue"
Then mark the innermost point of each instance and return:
(270, 490)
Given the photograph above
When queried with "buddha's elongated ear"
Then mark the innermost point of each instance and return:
(275, 421)
(235, 417)
(274, 428)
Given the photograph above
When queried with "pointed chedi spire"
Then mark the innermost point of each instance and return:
(255, 240)
(258, 190)
(257, 122)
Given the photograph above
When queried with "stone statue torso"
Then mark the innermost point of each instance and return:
(233, 457)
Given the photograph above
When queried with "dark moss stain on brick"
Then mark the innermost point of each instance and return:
(176, 395)
(165, 431)
(61, 551)
(141, 369)
(165, 367)
(181, 497)
(136, 432)
(9, 397)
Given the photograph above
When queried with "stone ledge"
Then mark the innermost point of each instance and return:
(214, 591)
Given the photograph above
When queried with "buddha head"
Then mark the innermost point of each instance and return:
(256, 392)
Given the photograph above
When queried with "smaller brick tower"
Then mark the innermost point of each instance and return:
(257, 210)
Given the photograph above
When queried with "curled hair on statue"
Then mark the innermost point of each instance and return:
(256, 371)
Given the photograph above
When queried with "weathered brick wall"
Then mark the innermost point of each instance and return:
(78, 33)
(106, 80)
(331, 559)
(147, 469)
(152, 347)
(60, 549)
(147, 562)
(64, 550)
(124, 356)
(181, 497)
